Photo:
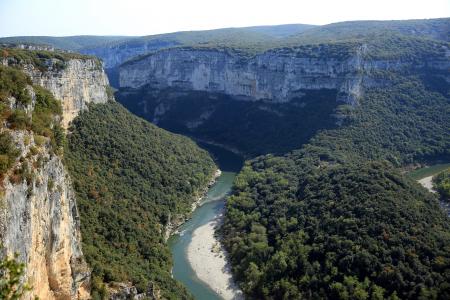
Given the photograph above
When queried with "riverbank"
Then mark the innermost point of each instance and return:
(198, 233)
(203, 195)
(174, 223)
(209, 261)
(427, 182)
(419, 172)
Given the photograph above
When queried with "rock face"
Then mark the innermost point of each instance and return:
(126, 290)
(275, 76)
(39, 221)
(272, 76)
(271, 102)
(38, 214)
(80, 82)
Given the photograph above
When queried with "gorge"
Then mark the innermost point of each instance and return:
(327, 118)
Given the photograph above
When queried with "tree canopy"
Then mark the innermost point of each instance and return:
(336, 219)
(130, 179)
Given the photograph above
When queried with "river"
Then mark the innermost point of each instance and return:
(211, 207)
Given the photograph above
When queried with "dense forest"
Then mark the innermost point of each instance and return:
(335, 219)
(131, 178)
(357, 231)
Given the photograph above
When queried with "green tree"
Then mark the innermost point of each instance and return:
(11, 273)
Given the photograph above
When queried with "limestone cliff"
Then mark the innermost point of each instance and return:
(80, 82)
(76, 82)
(39, 221)
(274, 76)
(38, 215)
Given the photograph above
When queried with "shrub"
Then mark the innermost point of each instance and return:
(13, 83)
(442, 184)
(8, 152)
(10, 284)
(5, 112)
(39, 140)
(34, 150)
(19, 120)
(4, 163)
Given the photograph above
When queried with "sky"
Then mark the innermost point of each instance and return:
(145, 17)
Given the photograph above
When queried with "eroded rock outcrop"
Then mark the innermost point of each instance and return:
(78, 83)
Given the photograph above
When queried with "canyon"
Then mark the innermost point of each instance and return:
(322, 115)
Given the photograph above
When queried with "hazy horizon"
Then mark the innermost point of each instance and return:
(211, 29)
(140, 17)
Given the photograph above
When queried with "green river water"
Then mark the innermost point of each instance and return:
(212, 205)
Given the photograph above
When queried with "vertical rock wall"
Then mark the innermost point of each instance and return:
(80, 82)
(38, 213)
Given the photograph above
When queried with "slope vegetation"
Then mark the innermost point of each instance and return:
(131, 178)
(442, 184)
(72, 43)
(335, 219)
(438, 29)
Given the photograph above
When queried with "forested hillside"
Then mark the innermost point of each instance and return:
(437, 29)
(72, 43)
(246, 38)
(131, 178)
(335, 219)
(359, 231)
